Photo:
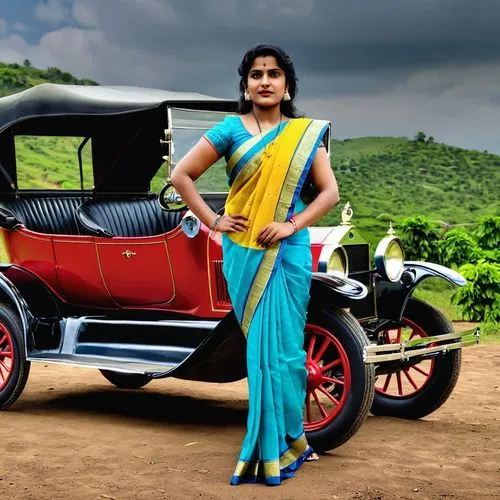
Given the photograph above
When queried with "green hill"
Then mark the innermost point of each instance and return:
(384, 178)
(17, 77)
(388, 179)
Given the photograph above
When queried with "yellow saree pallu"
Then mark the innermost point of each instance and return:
(269, 290)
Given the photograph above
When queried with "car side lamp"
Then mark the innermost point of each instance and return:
(389, 256)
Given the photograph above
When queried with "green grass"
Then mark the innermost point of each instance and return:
(438, 292)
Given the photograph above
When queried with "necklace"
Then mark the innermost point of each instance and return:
(269, 149)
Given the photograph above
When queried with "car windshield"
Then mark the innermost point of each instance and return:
(187, 128)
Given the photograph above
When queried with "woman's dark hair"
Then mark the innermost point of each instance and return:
(284, 62)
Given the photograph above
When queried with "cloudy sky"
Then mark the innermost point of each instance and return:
(384, 67)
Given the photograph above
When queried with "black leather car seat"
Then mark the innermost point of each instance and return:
(49, 215)
(126, 218)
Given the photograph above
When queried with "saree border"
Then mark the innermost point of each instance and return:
(272, 472)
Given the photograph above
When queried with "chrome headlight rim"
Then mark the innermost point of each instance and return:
(327, 252)
(383, 264)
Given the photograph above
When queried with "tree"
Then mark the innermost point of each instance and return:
(27, 63)
(420, 137)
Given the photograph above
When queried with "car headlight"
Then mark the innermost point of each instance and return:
(333, 260)
(390, 258)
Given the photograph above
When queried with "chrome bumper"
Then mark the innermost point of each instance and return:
(420, 347)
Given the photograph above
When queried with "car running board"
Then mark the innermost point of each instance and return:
(102, 363)
(203, 350)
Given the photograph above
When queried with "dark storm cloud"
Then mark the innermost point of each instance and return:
(376, 67)
(325, 37)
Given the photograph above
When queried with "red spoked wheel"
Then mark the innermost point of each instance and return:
(7, 359)
(340, 385)
(14, 369)
(328, 377)
(412, 378)
(415, 390)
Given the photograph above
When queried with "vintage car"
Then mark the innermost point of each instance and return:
(115, 273)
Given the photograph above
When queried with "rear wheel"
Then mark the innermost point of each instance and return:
(14, 369)
(417, 389)
(339, 384)
(126, 380)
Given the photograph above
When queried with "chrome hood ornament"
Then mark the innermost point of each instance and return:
(347, 214)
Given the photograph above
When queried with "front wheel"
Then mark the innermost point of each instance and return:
(418, 388)
(339, 384)
(126, 380)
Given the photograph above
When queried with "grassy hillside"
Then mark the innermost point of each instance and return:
(387, 179)
(17, 77)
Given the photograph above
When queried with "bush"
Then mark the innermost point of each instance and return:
(488, 233)
(480, 297)
(459, 247)
(420, 239)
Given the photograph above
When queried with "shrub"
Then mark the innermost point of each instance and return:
(488, 233)
(420, 238)
(480, 297)
(459, 247)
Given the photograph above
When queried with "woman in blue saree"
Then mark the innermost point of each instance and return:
(272, 159)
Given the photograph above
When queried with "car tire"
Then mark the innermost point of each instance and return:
(330, 336)
(437, 378)
(14, 369)
(126, 380)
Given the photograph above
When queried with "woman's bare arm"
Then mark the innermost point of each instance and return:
(328, 193)
(192, 165)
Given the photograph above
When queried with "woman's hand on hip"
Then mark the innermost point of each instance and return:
(232, 224)
(273, 232)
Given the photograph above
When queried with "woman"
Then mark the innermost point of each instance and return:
(272, 157)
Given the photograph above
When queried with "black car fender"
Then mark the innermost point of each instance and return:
(327, 290)
(9, 294)
(28, 295)
(393, 296)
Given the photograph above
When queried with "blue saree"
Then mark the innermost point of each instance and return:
(269, 288)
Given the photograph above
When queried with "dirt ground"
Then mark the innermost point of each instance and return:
(72, 435)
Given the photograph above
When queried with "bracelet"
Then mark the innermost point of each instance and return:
(293, 223)
(215, 223)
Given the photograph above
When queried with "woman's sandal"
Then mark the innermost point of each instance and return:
(312, 457)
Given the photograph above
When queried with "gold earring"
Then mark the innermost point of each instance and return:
(286, 96)
(247, 95)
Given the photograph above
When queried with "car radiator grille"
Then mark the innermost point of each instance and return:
(359, 269)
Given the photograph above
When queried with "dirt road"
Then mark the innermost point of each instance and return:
(74, 436)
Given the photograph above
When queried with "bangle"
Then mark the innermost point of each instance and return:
(215, 223)
(293, 223)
